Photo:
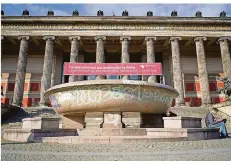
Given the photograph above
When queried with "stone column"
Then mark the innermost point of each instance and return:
(177, 74)
(151, 55)
(202, 70)
(225, 55)
(21, 71)
(95, 119)
(47, 68)
(129, 119)
(53, 72)
(125, 57)
(74, 56)
(144, 60)
(81, 60)
(100, 57)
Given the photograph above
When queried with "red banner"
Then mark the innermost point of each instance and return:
(112, 69)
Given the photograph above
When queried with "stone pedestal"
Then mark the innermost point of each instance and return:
(21, 71)
(202, 70)
(94, 119)
(132, 119)
(182, 122)
(40, 123)
(112, 120)
(75, 121)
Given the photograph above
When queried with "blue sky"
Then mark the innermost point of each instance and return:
(208, 10)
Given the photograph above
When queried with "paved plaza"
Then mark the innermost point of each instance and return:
(206, 150)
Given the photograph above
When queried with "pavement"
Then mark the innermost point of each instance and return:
(206, 150)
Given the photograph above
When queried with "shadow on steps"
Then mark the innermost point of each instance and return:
(11, 113)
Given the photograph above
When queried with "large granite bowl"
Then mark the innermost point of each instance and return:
(111, 96)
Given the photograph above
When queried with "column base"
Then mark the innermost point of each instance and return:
(113, 120)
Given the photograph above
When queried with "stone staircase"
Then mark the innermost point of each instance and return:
(199, 112)
(29, 112)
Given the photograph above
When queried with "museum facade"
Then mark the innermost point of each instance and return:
(192, 51)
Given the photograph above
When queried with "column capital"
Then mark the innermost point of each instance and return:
(200, 39)
(74, 38)
(52, 38)
(150, 38)
(23, 38)
(125, 38)
(99, 37)
(175, 38)
(224, 39)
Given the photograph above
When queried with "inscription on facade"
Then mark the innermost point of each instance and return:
(117, 26)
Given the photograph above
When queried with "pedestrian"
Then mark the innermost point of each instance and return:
(212, 122)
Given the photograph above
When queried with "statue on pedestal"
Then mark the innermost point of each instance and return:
(227, 87)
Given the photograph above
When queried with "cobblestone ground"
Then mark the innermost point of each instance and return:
(206, 150)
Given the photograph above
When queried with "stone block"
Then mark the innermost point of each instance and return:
(40, 123)
(93, 119)
(73, 121)
(131, 119)
(93, 122)
(112, 120)
(182, 122)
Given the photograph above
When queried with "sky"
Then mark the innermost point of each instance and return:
(183, 10)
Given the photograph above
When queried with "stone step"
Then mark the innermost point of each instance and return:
(190, 133)
(29, 135)
(112, 132)
(105, 139)
(15, 123)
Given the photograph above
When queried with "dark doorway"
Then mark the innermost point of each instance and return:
(66, 58)
(159, 59)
